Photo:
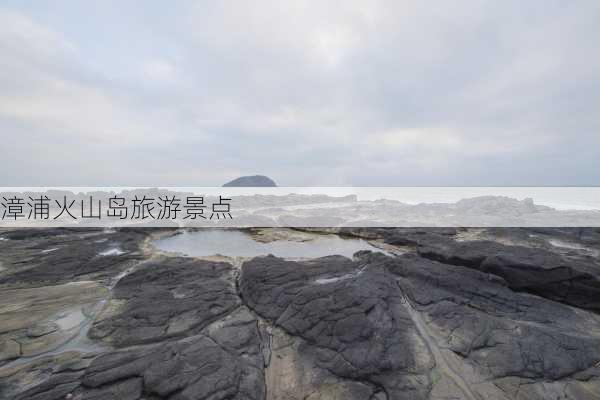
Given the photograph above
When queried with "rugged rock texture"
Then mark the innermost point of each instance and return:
(36, 320)
(166, 298)
(53, 282)
(454, 314)
(225, 362)
(412, 326)
(573, 281)
(559, 264)
(54, 256)
(52, 377)
(498, 336)
(351, 316)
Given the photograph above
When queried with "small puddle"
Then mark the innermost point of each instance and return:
(325, 281)
(566, 245)
(233, 243)
(70, 320)
(75, 325)
(115, 251)
(573, 246)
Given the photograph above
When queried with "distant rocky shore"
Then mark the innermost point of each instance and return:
(486, 313)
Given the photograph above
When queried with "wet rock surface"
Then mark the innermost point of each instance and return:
(55, 256)
(443, 314)
(223, 363)
(39, 319)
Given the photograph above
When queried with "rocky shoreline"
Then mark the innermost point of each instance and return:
(509, 313)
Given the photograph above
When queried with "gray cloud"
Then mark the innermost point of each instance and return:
(310, 93)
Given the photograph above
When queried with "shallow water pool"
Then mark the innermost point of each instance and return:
(241, 244)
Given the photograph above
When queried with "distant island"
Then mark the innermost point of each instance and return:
(251, 181)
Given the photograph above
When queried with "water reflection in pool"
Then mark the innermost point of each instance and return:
(241, 244)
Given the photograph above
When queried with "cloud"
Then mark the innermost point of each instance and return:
(160, 71)
(310, 93)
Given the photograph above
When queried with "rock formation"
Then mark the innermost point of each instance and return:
(251, 181)
(454, 314)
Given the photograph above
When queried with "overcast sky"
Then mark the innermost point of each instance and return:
(315, 93)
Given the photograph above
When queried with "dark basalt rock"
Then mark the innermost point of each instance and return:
(504, 332)
(539, 271)
(224, 363)
(414, 237)
(57, 256)
(251, 181)
(586, 235)
(28, 234)
(350, 314)
(167, 298)
(452, 318)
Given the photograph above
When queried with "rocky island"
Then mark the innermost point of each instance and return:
(436, 313)
(251, 181)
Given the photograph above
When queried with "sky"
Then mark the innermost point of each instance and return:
(309, 93)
